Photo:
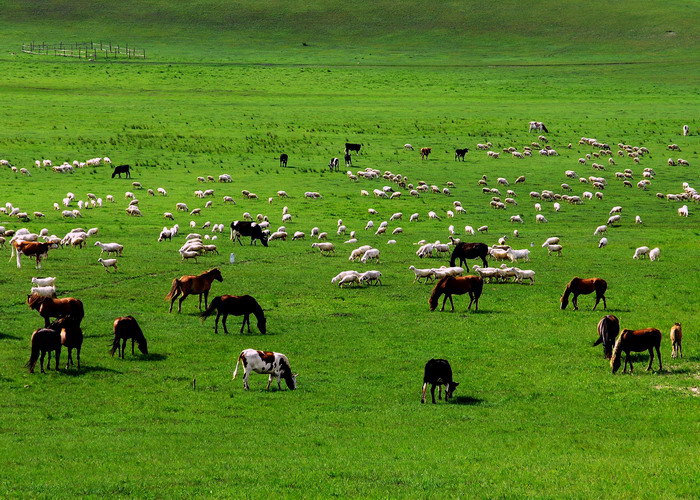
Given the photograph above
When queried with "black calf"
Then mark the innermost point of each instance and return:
(438, 372)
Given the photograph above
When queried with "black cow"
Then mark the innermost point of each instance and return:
(283, 160)
(438, 372)
(247, 228)
(349, 146)
(333, 164)
(460, 153)
(122, 169)
(348, 160)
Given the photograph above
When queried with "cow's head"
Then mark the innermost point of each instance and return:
(263, 239)
(451, 386)
(291, 379)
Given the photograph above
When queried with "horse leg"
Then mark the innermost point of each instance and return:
(432, 392)
(658, 353)
(471, 300)
(132, 345)
(651, 358)
(574, 301)
(41, 361)
(440, 392)
(206, 299)
(223, 321)
(444, 299)
(245, 378)
(70, 357)
(179, 304)
(605, 304)
(452, 303)
(597, 299)
(77, 355)
(58, 355)
(123, 349)
(245, 316)
(247, 320)
(216, 322)
(172, 300)
(46, 322)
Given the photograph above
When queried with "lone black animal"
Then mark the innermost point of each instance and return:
(465, 251)
(247, 228)
(460, 154)
(349, 147)
(283, 160)
(122, 169)
(348, 160)
(438, 372)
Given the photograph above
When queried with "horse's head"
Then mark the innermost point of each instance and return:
(142, 344)
(564, 300)
(34, 300)
(615, 362)
(216, 273)
(262, 324)
(451, 386)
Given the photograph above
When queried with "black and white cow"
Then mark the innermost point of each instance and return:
(460, 154)
(348, 160)
(122, 169)
(333, 164)
(350, 147)
(438, 372)
(283, 159)
(247, 228)
(274, 364)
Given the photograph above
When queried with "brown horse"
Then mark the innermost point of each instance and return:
(457, 285)
(126, 328)
(608, 328)
(56, 308)
(579, 286)
(238, 306)
(71, 337)
(193, 285)
(637, 341)
(44, 340)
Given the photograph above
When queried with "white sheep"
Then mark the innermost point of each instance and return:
(426, 274)
(483, 229)
(359, 252)
(342, 275)
(298, 235)
(371, 277)
(187, 254)
(349, 278)
(554, 249)
(433, 215)
(486, 272)
(641, 252)
(683, 211)
(469, 230)
(600, 230)
(371, 254)
(425, 251)
(278, 235)
(115, 248)
(414, 218)
(515, 255)
(521, 274)
(324, 247)
(603, 242)
(540, 218)
(44, 291)
(613, 220)
(107, 263)
(654, 253)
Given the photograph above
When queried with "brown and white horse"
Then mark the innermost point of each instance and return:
(273, 363)
(578, 286)
(30, 249)
(193, 285)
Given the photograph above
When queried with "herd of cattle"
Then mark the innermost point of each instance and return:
(437, 372)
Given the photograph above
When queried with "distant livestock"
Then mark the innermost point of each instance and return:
(247, 228)
(438, 372)
(350, 147)
(283, 159)
(460, 154)
(122, 169)
(648, 339)
(425, 153)
(538, 126)
(274, 364)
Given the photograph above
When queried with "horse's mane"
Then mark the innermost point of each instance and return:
(213, 306)
(35, 299)
(616, 349)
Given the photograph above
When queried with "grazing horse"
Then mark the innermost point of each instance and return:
(274, 364)
(579, 286)
(126, 328)
(71, 337)
(283, 159)
(636, 341)
(425, 152)
(122, 169)
(457, 285)
(538, 126)
(44, 340)
(465, 251)
(460, 154)
(608, 328)
(438, 372)
(238, 306)
(31, 249)
(193, 285)
(56, 308)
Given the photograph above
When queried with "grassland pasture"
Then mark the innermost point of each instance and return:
(537, 412)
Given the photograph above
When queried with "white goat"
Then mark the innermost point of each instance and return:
(641, 252)
(107, 263)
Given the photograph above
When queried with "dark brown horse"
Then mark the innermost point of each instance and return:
(44, 340)
(636, 341)
(457, 285)
(579, 286)
(465, 251)
(56, 308)
(71, 337)
(238, 306)
(608, 328)
(126, 328)
(193, 285)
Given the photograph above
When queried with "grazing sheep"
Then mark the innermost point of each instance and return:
(613, 220)
(298, 235)
(114, 248)
(603, 242)
(425, 274)
(371, 254)
(676, 341)
(600, 230)
(554, 248)
(324, 247)
(683, 211)
(637, 219)
(539, 218)
(370, 277)
(654, 254)
(641, 252)
(482, 229)
(516, 255)
(433, 215)
(44, 291)
(107, 263)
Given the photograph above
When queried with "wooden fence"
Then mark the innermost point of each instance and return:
(86, 50)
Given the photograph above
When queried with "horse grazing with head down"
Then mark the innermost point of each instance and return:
(71, 337)
(464, 251)
(457, 285)
(608, 328)
(193, 285)
(56, 308)
(238, 306)
(578, 286)
(647, 339)
(126, 328)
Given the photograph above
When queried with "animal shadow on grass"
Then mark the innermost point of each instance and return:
(8, 336)
(466, 400)
(74, 372)
(151, 356)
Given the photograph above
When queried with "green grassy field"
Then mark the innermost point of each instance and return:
(537, 412)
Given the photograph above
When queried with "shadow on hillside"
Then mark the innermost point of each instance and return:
(466, 400)
(73, 372)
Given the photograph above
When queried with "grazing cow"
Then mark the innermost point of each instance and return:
(538, 126)
(122, 169)
(425, 152)
(349, 147)
(31, 249)
(438, 372)
(333, 164)
(247, 228)
(460, 153)
(348, 160)
(273, 363)
(283, 159)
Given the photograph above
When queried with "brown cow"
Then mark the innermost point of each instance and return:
(425, 152)
(31, 249)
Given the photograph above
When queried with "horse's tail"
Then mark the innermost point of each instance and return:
(78, 313)
(478, 287)
(34, 356)
(174, 289)
(115, 345)
(437, 291)
(213, 306)
(235, 371)
(453, 259)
